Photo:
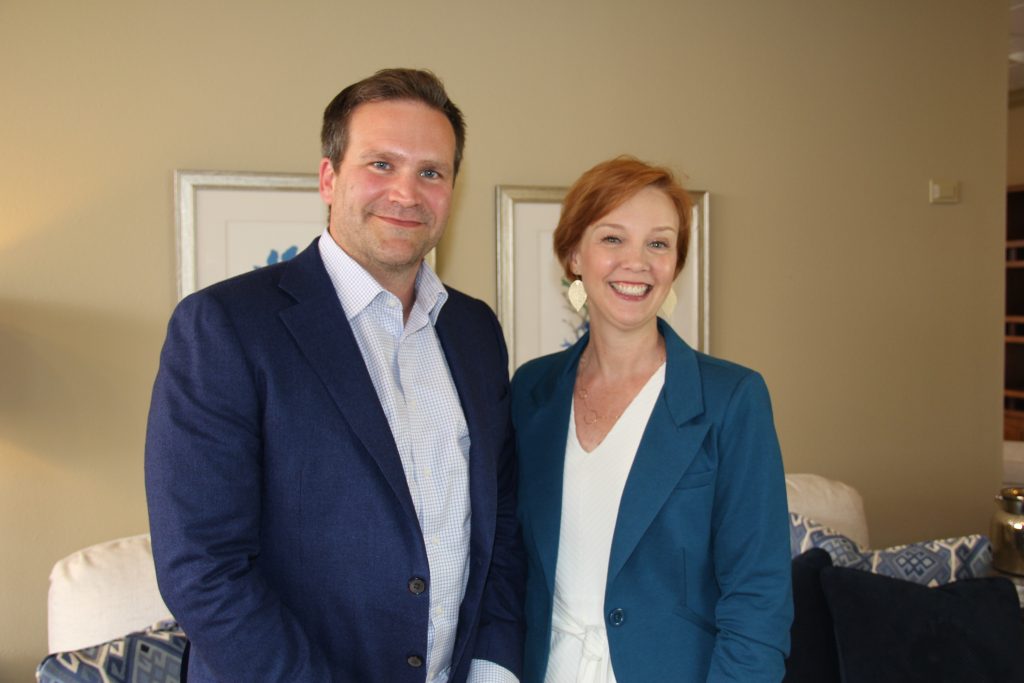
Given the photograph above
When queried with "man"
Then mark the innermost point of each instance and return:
(329, 460)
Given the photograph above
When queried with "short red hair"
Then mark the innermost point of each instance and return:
(604, 188)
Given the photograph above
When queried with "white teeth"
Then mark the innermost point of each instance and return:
(630, 290)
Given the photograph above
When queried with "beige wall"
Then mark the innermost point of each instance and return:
(875, 317)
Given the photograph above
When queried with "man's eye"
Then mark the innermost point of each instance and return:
(430, 173)
(382, 165)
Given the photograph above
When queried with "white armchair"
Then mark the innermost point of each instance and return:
(829, 502)
(103, 592)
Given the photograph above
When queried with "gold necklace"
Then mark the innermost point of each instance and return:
(590, 415)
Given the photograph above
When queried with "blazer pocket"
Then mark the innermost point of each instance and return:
(686, 613)
(692, 481)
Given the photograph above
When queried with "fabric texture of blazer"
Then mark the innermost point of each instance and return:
(284, 533)
(698, 581)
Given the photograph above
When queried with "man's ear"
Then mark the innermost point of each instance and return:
(327, 179)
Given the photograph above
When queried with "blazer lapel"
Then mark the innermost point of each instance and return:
(458, 349)
(319, 326)
(547, 429)
(668, 446)
(462, 354)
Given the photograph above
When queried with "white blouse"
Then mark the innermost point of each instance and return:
(591, 491)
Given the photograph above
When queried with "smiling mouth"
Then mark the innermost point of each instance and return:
(631, 289)
(400, 222)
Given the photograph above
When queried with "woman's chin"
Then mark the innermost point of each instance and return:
(630, 319)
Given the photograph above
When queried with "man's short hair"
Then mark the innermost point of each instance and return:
(418, 85)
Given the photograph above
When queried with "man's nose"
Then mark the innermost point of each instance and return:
(402, 189)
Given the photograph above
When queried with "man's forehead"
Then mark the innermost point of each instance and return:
(402, 128)
(401, 114)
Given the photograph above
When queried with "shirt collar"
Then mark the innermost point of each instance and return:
(356, 288)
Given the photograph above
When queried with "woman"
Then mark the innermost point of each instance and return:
(651, 489)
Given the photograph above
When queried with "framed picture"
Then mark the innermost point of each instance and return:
(230, 223)
(532, 307)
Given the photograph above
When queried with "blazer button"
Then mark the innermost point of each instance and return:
(415, 661)
(616, 617)
(417, 585)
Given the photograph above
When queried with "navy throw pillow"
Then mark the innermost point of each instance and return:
(812, 654)
(893, 630)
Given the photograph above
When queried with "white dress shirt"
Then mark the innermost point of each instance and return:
(416, 391)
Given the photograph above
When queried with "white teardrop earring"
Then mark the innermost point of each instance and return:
(577, 295)
(668, 306)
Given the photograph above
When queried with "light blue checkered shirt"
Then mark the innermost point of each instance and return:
(418, 395)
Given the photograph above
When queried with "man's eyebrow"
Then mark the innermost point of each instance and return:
(380, 154)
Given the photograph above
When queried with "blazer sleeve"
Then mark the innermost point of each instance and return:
(501, 632)
(203, 485)
(751, 542)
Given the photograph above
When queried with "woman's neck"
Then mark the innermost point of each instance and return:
(619, 354)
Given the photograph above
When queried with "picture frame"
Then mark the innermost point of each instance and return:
(532, 309)
(228, 222)
(231, 222)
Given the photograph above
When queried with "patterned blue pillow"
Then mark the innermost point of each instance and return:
(150, 656)
(930, 563)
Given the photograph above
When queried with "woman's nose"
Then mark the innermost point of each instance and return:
(636, 258)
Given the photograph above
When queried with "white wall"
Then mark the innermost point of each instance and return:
(875, 317)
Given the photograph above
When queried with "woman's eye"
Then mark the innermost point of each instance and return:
(659, 244)
(611, 239)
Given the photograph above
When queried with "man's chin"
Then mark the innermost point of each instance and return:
(403, 260)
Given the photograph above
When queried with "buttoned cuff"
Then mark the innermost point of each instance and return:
(486, 671)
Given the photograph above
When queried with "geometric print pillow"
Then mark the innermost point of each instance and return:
(150, 656)
(930, 563)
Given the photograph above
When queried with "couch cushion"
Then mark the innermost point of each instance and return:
(805, 534)
(103, 592)
(150, 656)
(829, 502)
(930, 563)
(892, 630)
(934, 563)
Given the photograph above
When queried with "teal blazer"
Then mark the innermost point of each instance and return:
(699, 574)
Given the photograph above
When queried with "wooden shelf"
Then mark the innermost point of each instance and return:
(1013, 388)
(1013, 425)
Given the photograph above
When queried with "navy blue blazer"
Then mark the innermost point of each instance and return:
(699, 574)
(284, 533)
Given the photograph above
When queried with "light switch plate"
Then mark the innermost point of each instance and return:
(943, 192)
